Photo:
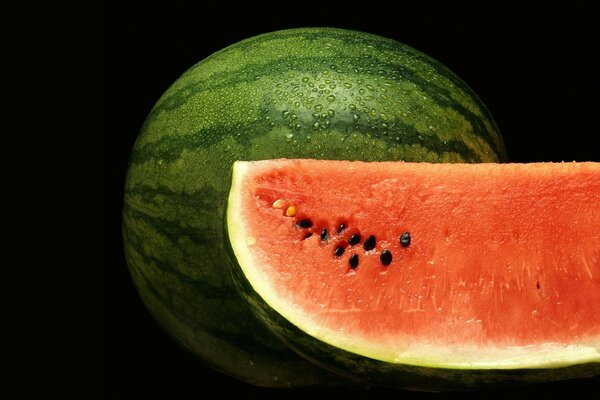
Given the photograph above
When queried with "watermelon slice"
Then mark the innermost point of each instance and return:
(424, 275)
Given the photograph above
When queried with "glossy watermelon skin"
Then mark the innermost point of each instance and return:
(302, 93)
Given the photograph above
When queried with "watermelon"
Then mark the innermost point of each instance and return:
(436, 276)
(302, 93)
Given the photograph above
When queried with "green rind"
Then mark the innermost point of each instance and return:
(192, 308)
(380, 373)
(255, 100)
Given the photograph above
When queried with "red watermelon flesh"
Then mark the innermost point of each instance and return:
(502, 268)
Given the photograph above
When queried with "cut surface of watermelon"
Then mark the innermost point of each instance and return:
(478, 266)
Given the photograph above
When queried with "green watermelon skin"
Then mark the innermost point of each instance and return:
(303, 93)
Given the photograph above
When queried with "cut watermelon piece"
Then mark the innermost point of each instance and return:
(374, 268)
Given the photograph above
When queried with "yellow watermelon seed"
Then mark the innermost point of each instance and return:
(291, 211)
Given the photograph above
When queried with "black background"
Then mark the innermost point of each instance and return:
(535, 68)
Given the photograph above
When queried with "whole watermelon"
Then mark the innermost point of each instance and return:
(301, 93)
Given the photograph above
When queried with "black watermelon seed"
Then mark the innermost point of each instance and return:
(341, 228)
(304, 223)
(386, 257)
(405, 239)
(369, 244)
(354, 239)
(308, 235)
(324, 234)
(338, 251)
(353, 261)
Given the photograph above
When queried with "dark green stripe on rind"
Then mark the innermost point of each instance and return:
(271, 365)
(380, 373)
(192, 307)
(434, 92)
(169, 148)
(385, 70)
(270, 97)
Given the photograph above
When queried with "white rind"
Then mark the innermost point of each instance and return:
(411, 351)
